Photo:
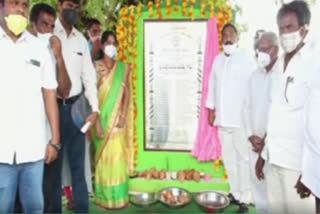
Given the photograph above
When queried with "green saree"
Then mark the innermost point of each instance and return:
(113, 151)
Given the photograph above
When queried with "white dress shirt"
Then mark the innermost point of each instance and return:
(257, 102)
(289, 90)
(26, 68)
(227, 84)
(79, 65)
(311, 154)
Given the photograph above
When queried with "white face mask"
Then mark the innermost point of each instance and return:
(45, 38)
(263, 59)
(290, 41)
(93, 38)
(229, 49)
(110, 51)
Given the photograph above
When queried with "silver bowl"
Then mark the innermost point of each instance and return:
(178, 195)
(212, 200)
(142, 199)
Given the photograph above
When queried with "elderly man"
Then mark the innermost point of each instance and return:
(228, 80)
(28, 89)
(285, 131)
(255, 108)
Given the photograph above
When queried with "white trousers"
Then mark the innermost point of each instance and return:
(236, 162)
(282, 196)
(259, 188)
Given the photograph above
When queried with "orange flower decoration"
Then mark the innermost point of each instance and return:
(168, 8)
(184, 7)
(150, 9)
(211, 9)
(203, 9)
(175, 9)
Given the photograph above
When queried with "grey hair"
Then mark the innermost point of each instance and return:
(271, 36)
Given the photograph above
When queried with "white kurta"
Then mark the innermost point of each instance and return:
(228, 80)
(311, 156)
(285, 132)
(255, 121)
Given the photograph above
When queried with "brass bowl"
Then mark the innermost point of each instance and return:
(212, 200)
(142, 199)
(178, 194)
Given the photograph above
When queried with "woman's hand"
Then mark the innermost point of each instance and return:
(121, 121)
(99, 130)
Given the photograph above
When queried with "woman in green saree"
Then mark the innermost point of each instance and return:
(113, 134)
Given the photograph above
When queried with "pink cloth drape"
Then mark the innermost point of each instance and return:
(207, 146)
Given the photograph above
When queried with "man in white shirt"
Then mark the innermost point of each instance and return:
(28, 90)
(80, 69)
(42, 18)
(311, 155)
(228, 80)
(256, 108)
(285, 131)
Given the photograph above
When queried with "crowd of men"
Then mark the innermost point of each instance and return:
(267, 115)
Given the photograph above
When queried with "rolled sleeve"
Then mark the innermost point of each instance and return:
(89, 80)
(48, 75)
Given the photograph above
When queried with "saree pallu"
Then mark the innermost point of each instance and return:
(113, 153)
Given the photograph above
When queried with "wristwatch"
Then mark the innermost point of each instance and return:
(57, 146)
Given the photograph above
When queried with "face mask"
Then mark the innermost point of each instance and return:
(290, 41)
(69, 16)
(110, 51)
(263, 59)
(229, 49)
(94, 38)
(16, 23)
(45, 38)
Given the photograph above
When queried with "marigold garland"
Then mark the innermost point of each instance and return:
(168, 8)
(175, 8)
(184, 7)
(150, 9)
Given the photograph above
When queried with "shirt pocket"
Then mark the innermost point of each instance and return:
(296, 93)
(33, 75)
(77, 56)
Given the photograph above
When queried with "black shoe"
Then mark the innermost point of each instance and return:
(233, 200)
(243, 208)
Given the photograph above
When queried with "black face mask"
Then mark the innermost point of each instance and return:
(69, 16)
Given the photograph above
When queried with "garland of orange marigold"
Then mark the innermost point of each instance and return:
(190, 13)
(158, 8)
(150, 9)
(203, 8)
(168, 8)
(175, 8)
